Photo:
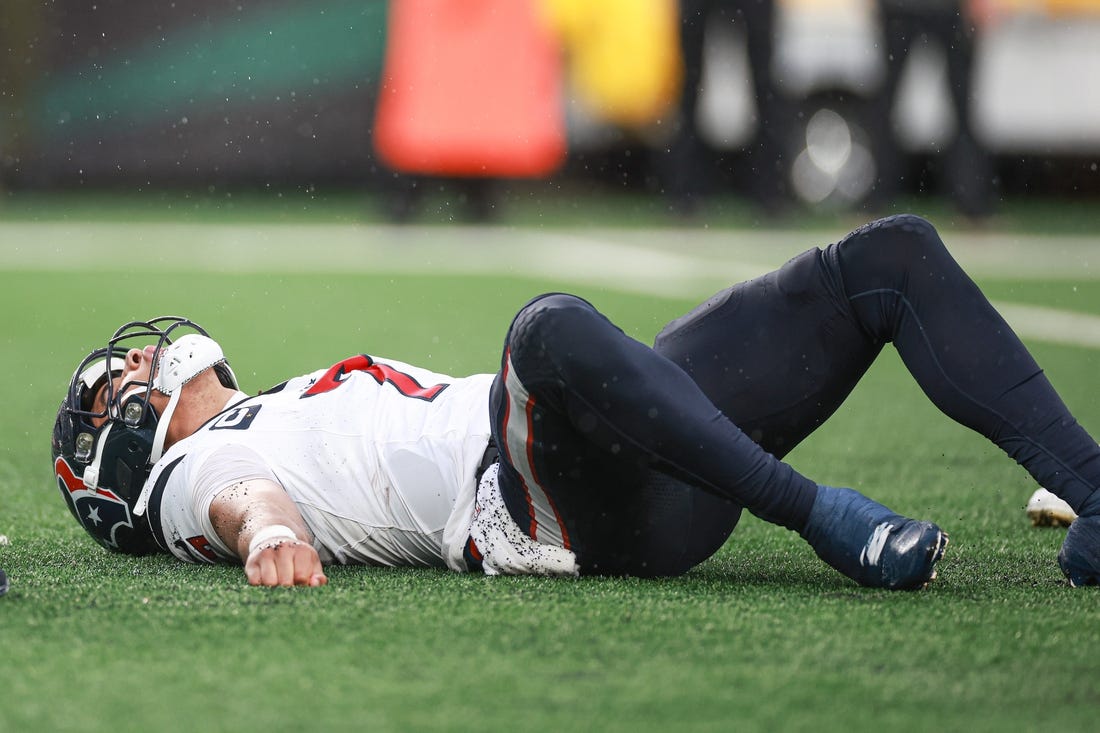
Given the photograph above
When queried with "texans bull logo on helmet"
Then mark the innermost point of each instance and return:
(104, 515)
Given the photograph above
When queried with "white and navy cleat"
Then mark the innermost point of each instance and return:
(871, 544)
(908, 556)
(1045, 509)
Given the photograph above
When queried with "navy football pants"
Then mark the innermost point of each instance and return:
(641, 459)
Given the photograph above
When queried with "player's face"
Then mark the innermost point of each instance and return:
(135, 369)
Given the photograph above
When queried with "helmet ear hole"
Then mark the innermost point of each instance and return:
(125, 478)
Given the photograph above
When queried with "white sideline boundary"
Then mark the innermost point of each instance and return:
(661, 262)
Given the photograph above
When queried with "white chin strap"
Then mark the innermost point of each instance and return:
(91, 472)
(180, 362)
(162, 429)
(158, 449)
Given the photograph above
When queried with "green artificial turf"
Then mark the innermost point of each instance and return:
(761, 637)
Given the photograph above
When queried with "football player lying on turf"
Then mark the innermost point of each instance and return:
(588, 452)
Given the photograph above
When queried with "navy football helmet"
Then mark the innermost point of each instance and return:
(103, 450)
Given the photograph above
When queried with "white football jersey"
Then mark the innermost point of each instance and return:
(379, 456)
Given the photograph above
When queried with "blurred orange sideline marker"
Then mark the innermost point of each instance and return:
(470, 88)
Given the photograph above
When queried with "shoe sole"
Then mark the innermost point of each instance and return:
(936, 554)
(1049, 518)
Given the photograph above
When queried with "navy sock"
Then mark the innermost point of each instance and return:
(840, 525)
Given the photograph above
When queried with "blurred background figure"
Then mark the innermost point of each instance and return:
(622, 60)
(688, 168)
(967, 174)
(471, 92)
(624, 75)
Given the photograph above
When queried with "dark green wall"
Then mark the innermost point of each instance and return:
(133, 91)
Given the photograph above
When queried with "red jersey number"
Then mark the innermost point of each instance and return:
(382, 373)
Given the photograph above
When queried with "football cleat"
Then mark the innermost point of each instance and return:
(909, 556)
(1079, 557)
(1045, 509)
(871, 544)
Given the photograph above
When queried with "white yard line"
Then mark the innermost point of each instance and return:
(662, 262)
(1035, 323)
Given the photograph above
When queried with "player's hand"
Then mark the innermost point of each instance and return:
(286, 562)
(1080, 554)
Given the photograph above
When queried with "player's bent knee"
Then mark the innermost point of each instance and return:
(550, 322)
(893, 245)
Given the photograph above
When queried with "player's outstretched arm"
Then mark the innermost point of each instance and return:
(260, 521)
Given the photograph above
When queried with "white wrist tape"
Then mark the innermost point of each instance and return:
(272, 532)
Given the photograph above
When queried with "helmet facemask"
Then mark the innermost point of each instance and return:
(102, 468)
